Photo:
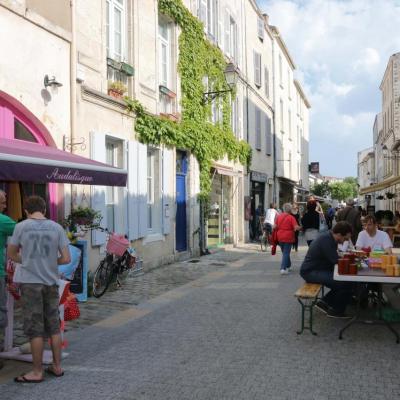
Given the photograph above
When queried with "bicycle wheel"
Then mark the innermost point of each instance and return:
(102, 276)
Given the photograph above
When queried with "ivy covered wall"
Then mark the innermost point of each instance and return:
(198, 58)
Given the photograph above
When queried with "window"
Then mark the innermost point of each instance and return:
(231, 41)
(114, 157)
(153, 191)
(21, 132)
(281, 112)
(257, 69)
(260, 27)
(266, 82)
(166, 66)
(258, 129)
(290, 124)
(280, 70)
(298, 139)
(288, 84)
(115, 29)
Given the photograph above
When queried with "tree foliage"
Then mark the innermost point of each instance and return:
(342, 190)
(321, 189)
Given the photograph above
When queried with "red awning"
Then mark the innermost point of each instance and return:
(31, 162)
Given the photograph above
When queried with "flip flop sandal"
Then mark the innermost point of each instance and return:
(23, 379)
(50, 371)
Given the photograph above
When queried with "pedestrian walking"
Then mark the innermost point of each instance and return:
(6, 229)
(39, 245)
(310, 222)
(296, 215)
(286, 226)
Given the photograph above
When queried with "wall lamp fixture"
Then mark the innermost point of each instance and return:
(52, 82)
(231, 76)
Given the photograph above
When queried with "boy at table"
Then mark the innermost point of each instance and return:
(373, 238)
(318, 267)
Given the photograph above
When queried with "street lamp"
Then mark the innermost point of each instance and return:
(231, 76)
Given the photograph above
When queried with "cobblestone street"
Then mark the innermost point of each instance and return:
(222, 328)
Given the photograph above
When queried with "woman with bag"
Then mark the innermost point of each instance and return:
(286, 226)
(311, 222)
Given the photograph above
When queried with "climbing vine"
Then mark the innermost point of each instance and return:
(198, 58)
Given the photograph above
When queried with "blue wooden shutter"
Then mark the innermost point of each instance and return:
(98, 198)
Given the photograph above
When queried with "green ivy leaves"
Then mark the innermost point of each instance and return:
(198, 58)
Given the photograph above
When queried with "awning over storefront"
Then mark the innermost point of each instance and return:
(380, 185)
(31, 162)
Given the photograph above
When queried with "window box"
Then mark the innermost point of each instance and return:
(172, 117)
(167, 92)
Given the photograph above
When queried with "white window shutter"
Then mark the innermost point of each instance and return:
(142, 190)
(98, 198)
(167, 171)
(258, 129)
(268, 136)
(133, 192)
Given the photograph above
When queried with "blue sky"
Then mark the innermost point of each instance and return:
(341, 49)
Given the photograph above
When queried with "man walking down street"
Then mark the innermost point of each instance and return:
(318, 267)
(353, 217)
(270, 218)
(6, 229)
(40, 241)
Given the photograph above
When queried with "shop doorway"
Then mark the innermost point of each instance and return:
(181, 218)
(219, 229)
(257, 198)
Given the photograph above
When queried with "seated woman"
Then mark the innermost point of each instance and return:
(373, 238)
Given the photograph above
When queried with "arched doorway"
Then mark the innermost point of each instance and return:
(19, 124)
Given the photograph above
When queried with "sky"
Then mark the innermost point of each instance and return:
(341, 49)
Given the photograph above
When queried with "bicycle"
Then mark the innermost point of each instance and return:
(119, 258)
(264, 237)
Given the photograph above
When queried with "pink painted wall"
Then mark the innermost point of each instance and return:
(11, 109)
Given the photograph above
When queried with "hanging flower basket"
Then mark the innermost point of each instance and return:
(380, 197)
(390, 195)
(87, 218)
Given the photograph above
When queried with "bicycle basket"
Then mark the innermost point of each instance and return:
(117, 244)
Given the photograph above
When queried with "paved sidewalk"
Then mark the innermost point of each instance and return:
(229, 334)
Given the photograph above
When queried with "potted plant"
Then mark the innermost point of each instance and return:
(81, 220)
(116, 89)
(390, 195)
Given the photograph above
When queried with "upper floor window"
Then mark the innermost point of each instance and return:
(290, 124)
(288, 84)
(260, 27)
(207, 12)
(231, 41)
(116, 29)
(280, 70)
(281, 112)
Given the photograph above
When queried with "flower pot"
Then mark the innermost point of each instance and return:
(115, 93)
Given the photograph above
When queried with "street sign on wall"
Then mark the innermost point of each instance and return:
(314, 167)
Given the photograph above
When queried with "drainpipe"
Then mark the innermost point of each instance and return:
(72, 83)
(275, 197)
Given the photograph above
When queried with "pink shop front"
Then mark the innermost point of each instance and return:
(30, 163)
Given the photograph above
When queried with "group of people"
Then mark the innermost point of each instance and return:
(39, 245)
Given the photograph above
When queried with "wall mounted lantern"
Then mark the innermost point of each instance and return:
(231, 76)
(52, 82)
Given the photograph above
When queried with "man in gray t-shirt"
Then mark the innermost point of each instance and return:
(36, 245)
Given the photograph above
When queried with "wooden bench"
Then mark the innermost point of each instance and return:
(307, 296)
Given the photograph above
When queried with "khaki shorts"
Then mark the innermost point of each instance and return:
(40, 310)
